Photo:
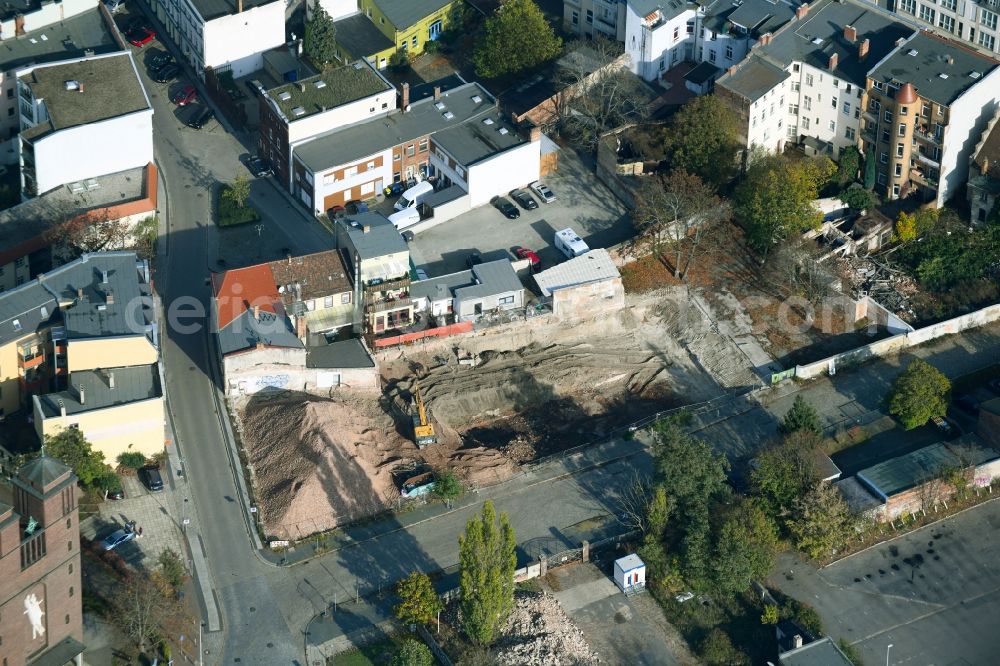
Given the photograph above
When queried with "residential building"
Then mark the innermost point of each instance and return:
(379, 261)
(973, 22)
(805, 83)
(48, 36)
(40, 577)
(222, 34)
(30, 232)
(359, 38)
(492, 286)
(81, 119)
(983, 186)
(297, 112)
(798, 647)
(927, 106)
(590, 18)
(410, 24)
(459, 136)
(585, 286)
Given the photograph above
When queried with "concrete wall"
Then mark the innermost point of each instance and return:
(925, 496)
(248, 381)
(502, 173)
(115, 352)
(135, 426)
(362, 109)
(273, 356)
(586, 299)
(241, 39)
(878, 314)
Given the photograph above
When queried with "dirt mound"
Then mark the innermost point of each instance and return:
(539, 633)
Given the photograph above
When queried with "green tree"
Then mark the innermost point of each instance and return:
(447, 486)
(486, 574)
(652, 550)
(775, 199)
(717, 650)
(870, 170)
(918, 394)
(413, 653)
(822, 522)
(858, 198)
(419, 603)
(784, 473)
(745, 549)
(515, 38)
(238, 191)
(701, 139)
(320, 41)
(770, 615)
(131, 459)
(73, 449)
(906, 227)
(172, 568)
(848, 164)
(802, 416)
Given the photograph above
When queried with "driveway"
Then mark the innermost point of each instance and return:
(583, 203)
(934, 595)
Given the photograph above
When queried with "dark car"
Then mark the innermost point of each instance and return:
(151, 478)
(260, 166)
(140, 36)
(474, 259)
(967, 404)
(117, 538)
(200, 117)
(395, 189)
(336, 212)
(186, 95)
(114, 495)
(355, 207)
(160, 59)
(526, 200)
(508, 209)
(166, 73)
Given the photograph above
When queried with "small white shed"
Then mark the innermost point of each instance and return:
(630, 574)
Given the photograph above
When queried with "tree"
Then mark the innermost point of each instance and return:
(906, 227)
(717, 650)
(172, 568)
(822, 522)
(675, 213)
(447, 486)
(775, 199)
(238, 191)
(131, 459)
(515, 38)
(142, 606)
(918, 394)
(320, 40)
(770, 615)
(486, 574)
(858, 198)
(413, 653)
(784, 473)
(802, 416)
(701, 139)
(73, 449)
(745, 549)
(848, 164)
(95, 231)
(419, 603)
(870, 170)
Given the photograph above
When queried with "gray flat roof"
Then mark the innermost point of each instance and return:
(132, 384)
(907, 471)
(343, 354)
(472, 142)
(495, 277)
(63, 40)
(26, 310)
(761, 15)
(753, 78)
(440, 288)
(332, 88)
(357, 35)
(370, 136)
(593, 266)
(704, 71)
(212, 9)
(110, 88)
(404, 13)
(244, 332)
(823, 652)
(669, 8)
(924, 68)
(381, 239)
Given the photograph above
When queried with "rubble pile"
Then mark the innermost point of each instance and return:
(539, 633)
(887, 285)
(519, 449)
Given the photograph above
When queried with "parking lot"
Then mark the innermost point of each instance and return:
(934, 595)
(583, 203)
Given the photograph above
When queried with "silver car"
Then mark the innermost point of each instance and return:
(543, 191)
(117, 538)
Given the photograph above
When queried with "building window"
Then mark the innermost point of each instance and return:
(793, 132)
(988, 18)
(69, 521)
(690, 27)
(833, 102)
(795, 68)
(902, 129)
(885, 136)
(423, 145)
(899, 150)
(884, 158)
(895, 189)
(882, 179)
(927, 14)
(809, 79)
(69, 546)
(807, 103)
(904, 110)
(888, 116)
(898, 170)
(796, 86)
(411, 150)
(793, 109)
(345, 298)
(10, 111)
(19, 262)
(946, 22)
(506, 300)
(833, 126)
(10, 93)
(805, 123)
(729, 52)
(711, 55)
(328, 301)
(908, 6)
(987, 41)
(878, 85)
(677, 33)
(71, 590)
(576, 18)
(948, 4)
(847, 108)
(925, 111)
(849, 134)
(67, 618)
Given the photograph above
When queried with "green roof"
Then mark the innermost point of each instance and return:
(328, 90)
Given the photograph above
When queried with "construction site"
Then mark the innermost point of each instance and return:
(495, 399)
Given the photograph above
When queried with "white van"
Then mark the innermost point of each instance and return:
(569, 243)
(413, 196)
(405, 218)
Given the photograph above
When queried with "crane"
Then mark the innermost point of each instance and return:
(423, 430)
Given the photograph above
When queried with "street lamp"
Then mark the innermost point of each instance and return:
(887, 648)
(260, 230)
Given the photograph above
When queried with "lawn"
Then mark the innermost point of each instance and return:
(231, 215)
(375, 654)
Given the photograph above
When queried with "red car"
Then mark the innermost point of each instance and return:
(140, 36)
(185, 95)
(336, 212)
(525, 253)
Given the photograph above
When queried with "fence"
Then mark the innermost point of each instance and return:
(410, 338)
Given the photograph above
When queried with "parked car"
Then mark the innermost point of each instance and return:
(530, 255)
(526, 200)
(967, 404)
(508, 209)
(394, 189)
(150, 477)
(543, 192)
(114, 495)
(167, 72)
(355, 207)
(421, 274)
(407, 236)
(140, 36)
(259, 166)
(114, 6)
(474, 259)
(117, 538)
(186, 95)
(941, 424)
(200, 117)
(158, 60)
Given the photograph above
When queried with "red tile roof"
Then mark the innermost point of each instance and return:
(240, 289)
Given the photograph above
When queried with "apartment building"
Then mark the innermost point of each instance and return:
(927, 105)
(971, 21)
(805, 84)
(297, 112)
(983, 187)
(222, 34)
(81, 119)
(40, 578)
(595, 18)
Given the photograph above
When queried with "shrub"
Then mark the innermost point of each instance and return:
(230, 214)
(447, 486)
(413, 653)
(131, 459)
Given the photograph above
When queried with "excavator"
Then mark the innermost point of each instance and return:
(423, 429)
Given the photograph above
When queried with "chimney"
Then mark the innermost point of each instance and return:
(256, 313)
(62, 408)
(801, 12)
(831, 64)
(109, 298)
(83, 396)
(863, 49)
(731, 70)
(365, 229)
(765, 39)
(850, 33)
(301, 86)
(239, 6)
(796, 641)
(301, 330)
(111, 380)
(437, 93)
(79, 293)
(404, 94)
(950, 59)
(535, 133)
(104, 277)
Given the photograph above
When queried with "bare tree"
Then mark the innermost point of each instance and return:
(633, 503)
(93, 231)
(145, 606)
(799, 274)
(674, 215)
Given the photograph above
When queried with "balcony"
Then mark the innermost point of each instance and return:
(29, 361)
(376, 286)
(919, 177)
(934, 137)
(388, 305)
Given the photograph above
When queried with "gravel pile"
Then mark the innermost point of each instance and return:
(539, 633)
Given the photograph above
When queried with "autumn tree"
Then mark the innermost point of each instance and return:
(905, 227)
(486, 574)
(320, 40)
(745, 548)
(419, 603)
(701, 139)
(918, 394)
(413, 653)
(674, 215)
(72, 448)
(785, 472)
(802, 416)
(822, 522)
(143, 607)
(775, 199)
(238, 191)
(515, 38)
